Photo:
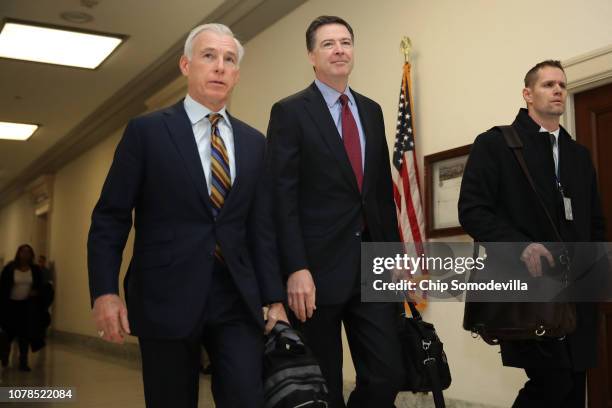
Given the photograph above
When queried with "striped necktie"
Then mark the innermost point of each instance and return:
(220, 172)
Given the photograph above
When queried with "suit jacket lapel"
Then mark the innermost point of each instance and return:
(181, 133)
(317, 109)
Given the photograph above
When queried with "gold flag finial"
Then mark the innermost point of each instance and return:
(406, 47)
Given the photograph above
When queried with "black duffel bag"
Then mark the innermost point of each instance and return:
(425, 362)
(292, 376)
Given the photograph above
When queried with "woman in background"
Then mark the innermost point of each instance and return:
(20, 286)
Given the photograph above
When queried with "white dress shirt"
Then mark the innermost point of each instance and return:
(555, 147)
(201, 130)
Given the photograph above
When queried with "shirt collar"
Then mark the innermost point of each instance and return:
(331, 95)
(556, 132)
(196, 111)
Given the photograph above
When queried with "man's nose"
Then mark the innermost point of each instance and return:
(338, 48)
(219, 65)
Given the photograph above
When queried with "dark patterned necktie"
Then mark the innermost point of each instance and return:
(350, 137)
(221, 181)
(553, 142)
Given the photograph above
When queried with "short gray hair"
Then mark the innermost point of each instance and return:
(215, 28)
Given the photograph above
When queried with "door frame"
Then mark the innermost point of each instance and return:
(586, 71)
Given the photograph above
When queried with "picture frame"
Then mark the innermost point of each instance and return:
(443, 174)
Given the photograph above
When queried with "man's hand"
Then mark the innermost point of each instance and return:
(111, 318)
(301, 294)
(531, 257)
(276, 312)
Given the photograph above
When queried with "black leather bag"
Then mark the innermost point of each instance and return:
(425, 362)
(292, 376)
(495, 322)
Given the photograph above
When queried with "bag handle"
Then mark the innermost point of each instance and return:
(412, 305)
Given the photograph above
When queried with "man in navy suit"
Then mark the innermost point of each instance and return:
(334, 191)
(204, 259)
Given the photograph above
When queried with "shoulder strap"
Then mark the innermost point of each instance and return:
(514, 142)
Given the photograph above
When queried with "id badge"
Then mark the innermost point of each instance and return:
(567, 205)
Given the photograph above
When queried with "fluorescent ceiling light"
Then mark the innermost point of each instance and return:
(55, 46)
(16, 131)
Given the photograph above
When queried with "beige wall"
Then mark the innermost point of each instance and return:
(76, 191)
(16, 226)
(469, 59)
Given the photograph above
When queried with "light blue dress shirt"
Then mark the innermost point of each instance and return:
(201, 130)
(332, 99)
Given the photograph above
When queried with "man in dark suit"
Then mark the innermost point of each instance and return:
(497, 204)
(205, 258)
(333, 191)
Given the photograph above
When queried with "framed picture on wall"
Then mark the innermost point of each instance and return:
(443, 174)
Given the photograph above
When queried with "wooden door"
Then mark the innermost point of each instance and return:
(594, 130)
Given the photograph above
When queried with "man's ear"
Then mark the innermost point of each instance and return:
(184, 65)
(527, 95)
(311, 58)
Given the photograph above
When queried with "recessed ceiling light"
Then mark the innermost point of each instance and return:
(16, 131)
(60, 46)
(76, 17)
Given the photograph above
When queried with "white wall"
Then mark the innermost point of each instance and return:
(469, 59)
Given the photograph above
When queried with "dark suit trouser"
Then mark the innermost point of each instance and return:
(552, 388)
(375, 349)
(235, 346)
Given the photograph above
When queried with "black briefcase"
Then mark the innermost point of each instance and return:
(425, 362)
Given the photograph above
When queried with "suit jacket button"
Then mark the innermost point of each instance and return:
(358, 234)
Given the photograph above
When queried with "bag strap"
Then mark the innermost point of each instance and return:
(516, 145)
(436, 387)
(413, 310)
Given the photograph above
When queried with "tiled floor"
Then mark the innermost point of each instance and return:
(103, 381)
(99, 381)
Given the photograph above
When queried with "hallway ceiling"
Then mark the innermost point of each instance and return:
(76, 108)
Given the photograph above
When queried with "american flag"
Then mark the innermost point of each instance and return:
(406, 184)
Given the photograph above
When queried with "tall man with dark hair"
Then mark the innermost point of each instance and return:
(334, 191)
(205, 256)
(497, 204)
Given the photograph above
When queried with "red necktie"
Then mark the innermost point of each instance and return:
(350, 137)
